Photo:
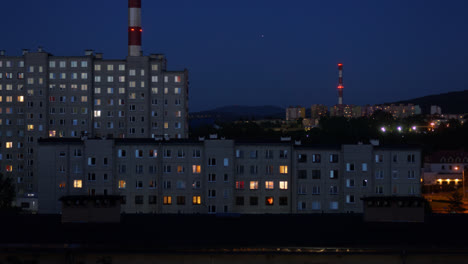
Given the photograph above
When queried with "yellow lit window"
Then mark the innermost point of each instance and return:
(52, 133)
(9, 99)
(9, 168)
(269, 185)
(283, 169)
(77, 184)
(167, 200)
(9, 144)
(0, 96)
(253, 185)
(20, 98)
(269, 200)
(196, 200)
(283, 185)
(166, 125)
(180, 169)
(122, 184)
(62, 185)
(196, 169)
(30, 127)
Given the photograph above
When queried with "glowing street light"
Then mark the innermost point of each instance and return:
(463, 177)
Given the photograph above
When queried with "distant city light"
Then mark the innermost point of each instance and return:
(399, 129)
(383, 129)
(414, 127)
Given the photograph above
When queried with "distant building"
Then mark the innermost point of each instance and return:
(397, 111)
(436, 110)
(294, 113)
(445, 168)
(223, 176)
(318, 111)
(348, 111)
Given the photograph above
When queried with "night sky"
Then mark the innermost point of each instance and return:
(266, 52)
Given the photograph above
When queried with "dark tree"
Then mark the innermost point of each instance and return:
(456, 203)
(7, 192)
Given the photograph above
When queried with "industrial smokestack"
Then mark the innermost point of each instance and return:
(134, 28)
(340, 84)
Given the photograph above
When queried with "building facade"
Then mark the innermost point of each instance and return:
(224, 176)
(46, 96)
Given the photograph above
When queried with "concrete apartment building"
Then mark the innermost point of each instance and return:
(47, 96)
(224, 176)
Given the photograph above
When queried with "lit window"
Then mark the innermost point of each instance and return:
(62, 185)
(196, 169)
(9, 144)
(283, 169)
(269, 200)
(196, 200)
(239, 184)
(283, 185)
(122, 184)
(77, 184)
(167, 200)
(30, 127)
(52, 133)
(253, 185)
(166, 125)
(177, 79)
(97, 113)
(9, 168)
(177, 90)
(269, 185)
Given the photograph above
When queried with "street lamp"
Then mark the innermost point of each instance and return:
(463, 179)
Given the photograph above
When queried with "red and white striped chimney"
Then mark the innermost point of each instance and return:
(340, 83)
(134, 28)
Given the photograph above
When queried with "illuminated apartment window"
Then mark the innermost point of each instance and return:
(269, 200)
(30, 127)
(196, 169)
(9, 144)
(180, 169)
(269, 185)
(9, 99)
(20, 98)
(167, 200)
(239, 185)
(283, 169)
(97, 113)
(283, 185)
(196, 200)
(122, 184)
(153, 153)
(77, 184)
(62, 185)
(9, 168)
(52, 133)
(177, 79)
(253, 185)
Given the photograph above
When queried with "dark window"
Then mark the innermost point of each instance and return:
(253, 200)
(316, 174)
(283, 201)
(138, 199)
(180, 200)
(240, 200)
(302, 174)
(152, 199)
(301, 158)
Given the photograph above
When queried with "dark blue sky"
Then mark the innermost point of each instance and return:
(391, 49)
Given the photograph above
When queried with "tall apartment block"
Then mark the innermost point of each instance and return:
(47, 96)
(224, 176)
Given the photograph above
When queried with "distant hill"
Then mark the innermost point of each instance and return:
(236, 112)
(451, 103)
